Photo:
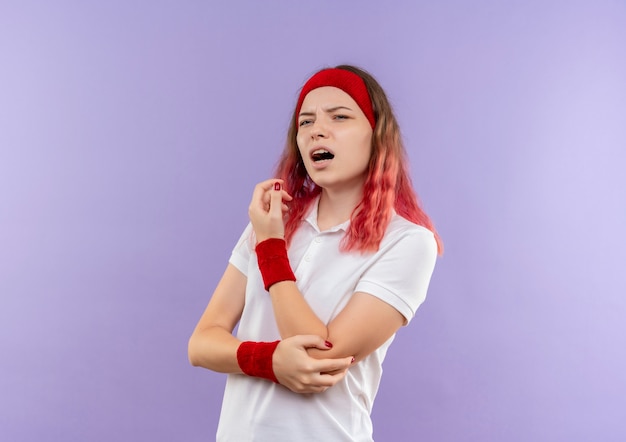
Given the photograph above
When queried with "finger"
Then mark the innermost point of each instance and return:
(276, 200)
(332, 373)
(267, 198)
(286, 196)
(261, 189)
(329, 379)
(309, 389)
(312, 341)
(331, 365)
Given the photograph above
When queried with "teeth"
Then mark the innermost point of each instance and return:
(320, 151)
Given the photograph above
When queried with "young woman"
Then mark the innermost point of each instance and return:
(337, 257)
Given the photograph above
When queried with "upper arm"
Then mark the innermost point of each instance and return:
(212, 344)
(386, 296)
(228, 299)
(226, 305)
(362, 326)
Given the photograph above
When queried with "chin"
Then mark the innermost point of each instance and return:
(321, 182)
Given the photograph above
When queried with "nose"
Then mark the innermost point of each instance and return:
(318, 130)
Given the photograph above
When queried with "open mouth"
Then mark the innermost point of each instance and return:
(321, 155)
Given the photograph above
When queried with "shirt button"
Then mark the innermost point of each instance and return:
(307, 258)
(318, 240)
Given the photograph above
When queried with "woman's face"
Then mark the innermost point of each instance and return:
(335, 139)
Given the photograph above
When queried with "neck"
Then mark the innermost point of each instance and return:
(336, 207)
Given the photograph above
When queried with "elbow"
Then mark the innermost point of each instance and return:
(193, 361)
(192, 353)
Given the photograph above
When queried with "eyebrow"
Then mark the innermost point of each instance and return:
(328, 110)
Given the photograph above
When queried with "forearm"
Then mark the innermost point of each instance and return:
(214, 348)
(294, 317)
(293, 314)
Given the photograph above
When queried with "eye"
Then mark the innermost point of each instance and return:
(340, 117)
(304, 122)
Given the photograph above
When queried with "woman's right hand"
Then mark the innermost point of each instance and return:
(301, 373)
(267, 208)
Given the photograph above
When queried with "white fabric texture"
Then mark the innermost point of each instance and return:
(398, 273)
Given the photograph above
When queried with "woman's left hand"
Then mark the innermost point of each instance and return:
(267, 208)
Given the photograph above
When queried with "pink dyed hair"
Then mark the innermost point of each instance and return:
(387, 186)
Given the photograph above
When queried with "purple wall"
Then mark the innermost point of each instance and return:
(132, 133)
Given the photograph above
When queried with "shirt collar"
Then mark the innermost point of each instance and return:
(311, 218)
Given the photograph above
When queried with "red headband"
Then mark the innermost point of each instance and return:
(347, 81)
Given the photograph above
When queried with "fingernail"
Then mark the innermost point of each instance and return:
(277, 186)
(328, 344)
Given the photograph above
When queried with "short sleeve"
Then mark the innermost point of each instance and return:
(401, 272)
(240, 256)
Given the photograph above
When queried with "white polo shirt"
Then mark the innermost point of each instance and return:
(398, 273)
